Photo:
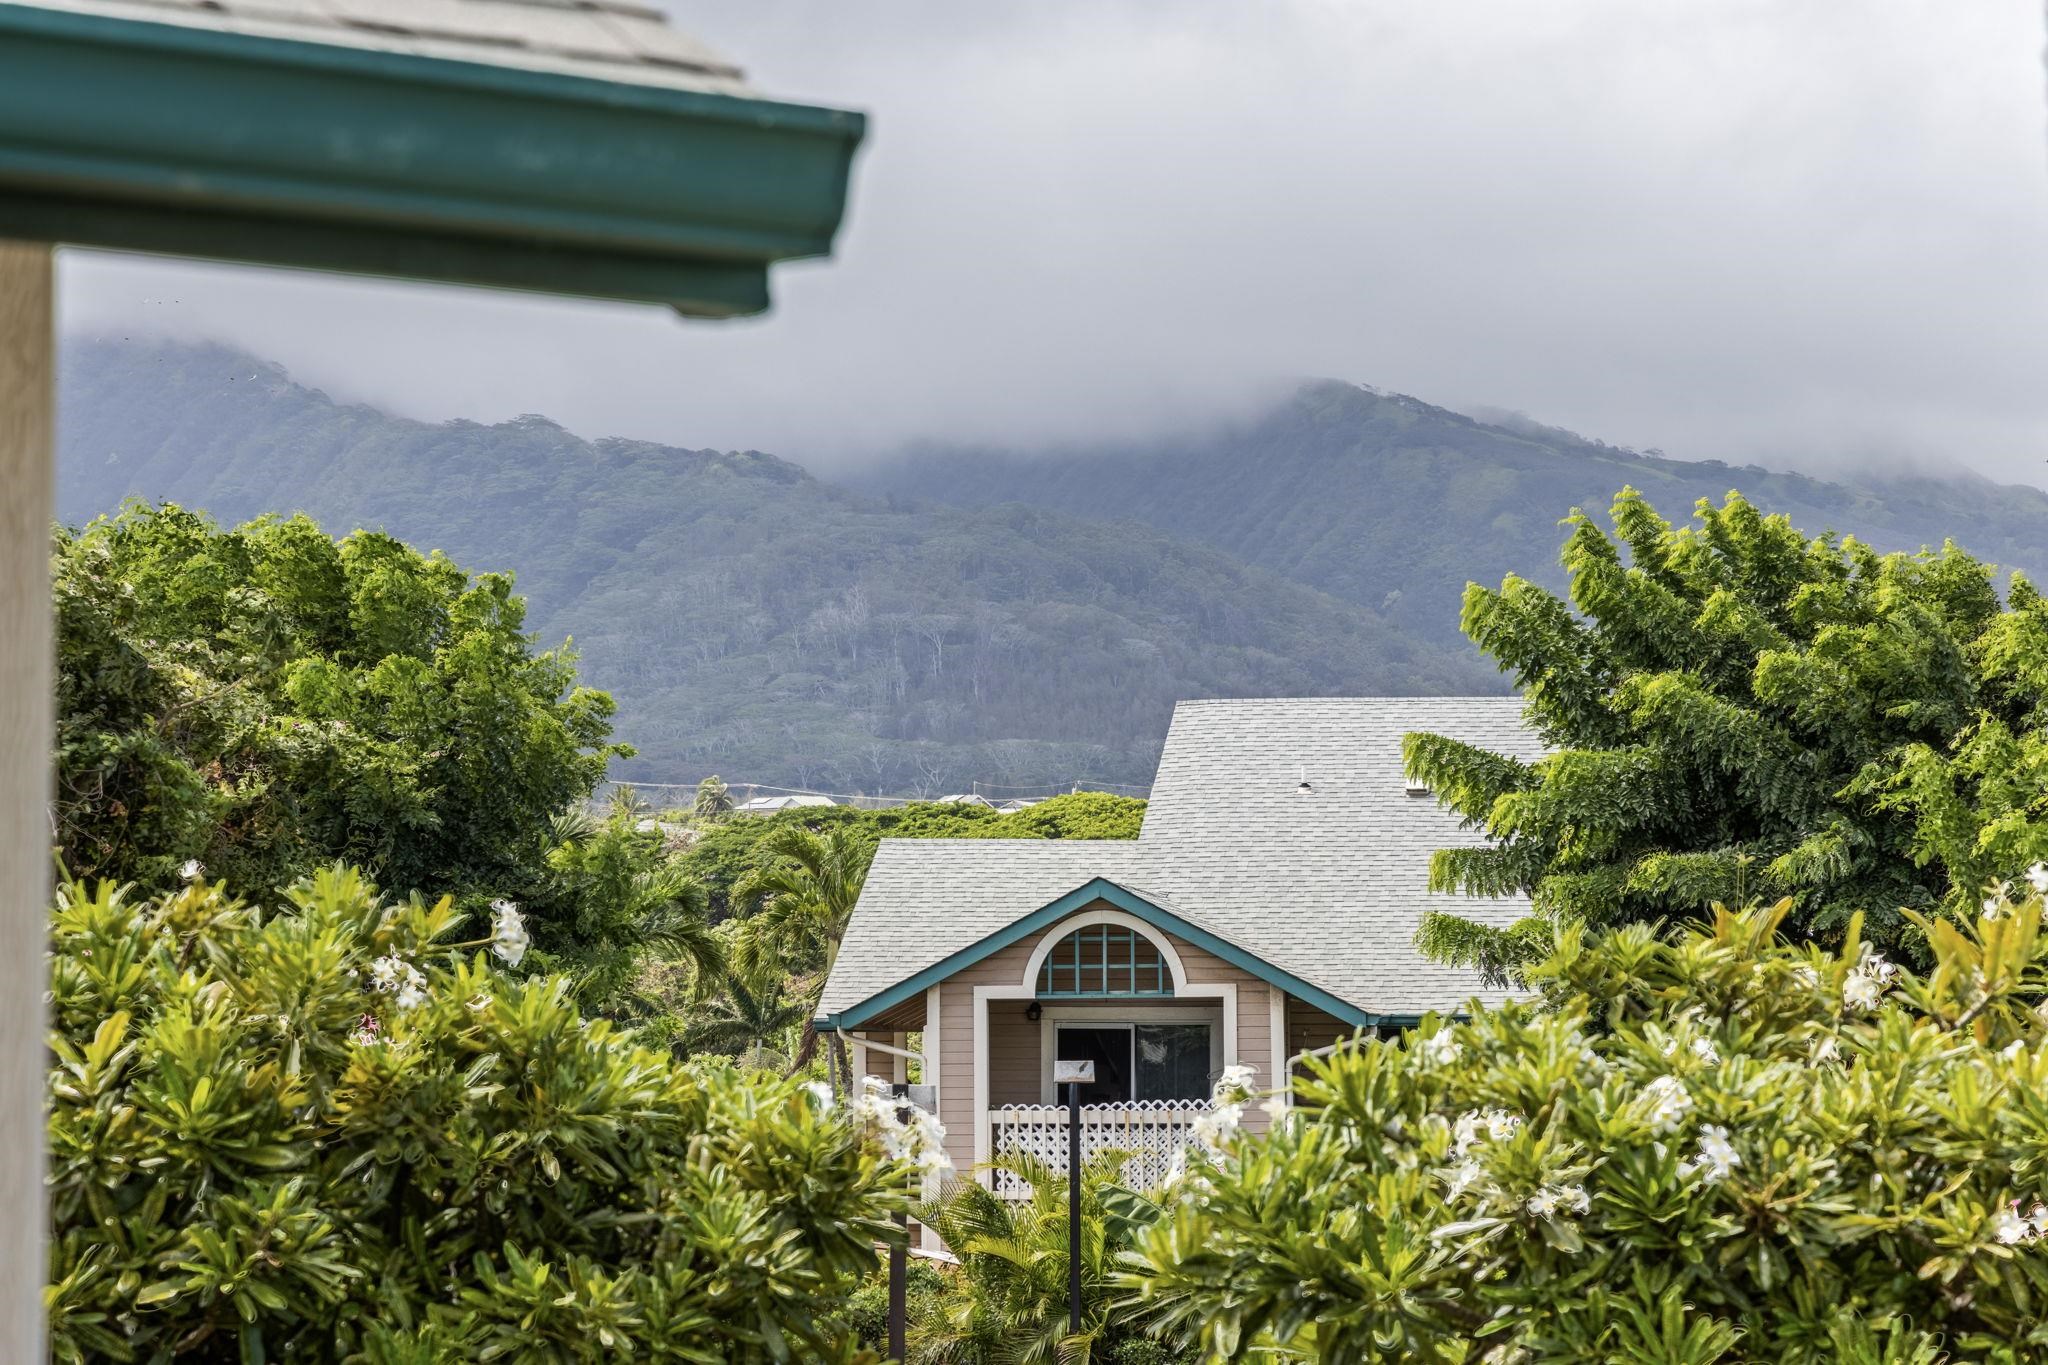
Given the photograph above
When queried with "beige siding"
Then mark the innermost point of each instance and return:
(1015, 1061)
(1309, 1028)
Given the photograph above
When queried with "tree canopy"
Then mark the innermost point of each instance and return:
(336, 1130)
(1711, 1146)
(266, 699)
(1733, 709)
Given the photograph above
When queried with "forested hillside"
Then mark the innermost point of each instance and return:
(1395, 504)
(750, 619)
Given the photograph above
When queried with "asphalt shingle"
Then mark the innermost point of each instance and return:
(1328, 884)
(613, 40)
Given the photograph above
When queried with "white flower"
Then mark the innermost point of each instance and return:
(1274, 1107)
(821, 1093)
(1874, 965)
(1439, 1049)
(1717, 1156)
(2037, 877)
(1862, 992)
(394, 976)
(1465, 1131)
(1214, 1129)
(1703, 1048)
(192, 871)
(1549, 1201)
(2010, 1228)
(1501, 1125)
(2037, 1218)
(508, 932)
(1461, 1177)
(1668, 1103)
(1991, 909)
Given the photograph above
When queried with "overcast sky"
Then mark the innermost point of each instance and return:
(1790, 231)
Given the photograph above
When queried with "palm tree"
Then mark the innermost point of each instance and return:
(614, 898)
(805, 895)
(1014, 1256)
(750, 1022)
(714, 801)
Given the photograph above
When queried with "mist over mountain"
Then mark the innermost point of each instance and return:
(961, 614)
(750, 619)
(1394, 504)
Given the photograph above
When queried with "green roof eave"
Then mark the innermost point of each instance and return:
(1124, 899)
(159, 137)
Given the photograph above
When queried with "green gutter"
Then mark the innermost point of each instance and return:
(167, 138)
(1100, 889)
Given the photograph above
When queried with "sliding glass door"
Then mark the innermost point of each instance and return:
(1147, 1061)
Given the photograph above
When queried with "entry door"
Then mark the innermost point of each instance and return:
(1110, 1050)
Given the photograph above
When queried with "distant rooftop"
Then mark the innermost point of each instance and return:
(1284, 825)
(613, 40)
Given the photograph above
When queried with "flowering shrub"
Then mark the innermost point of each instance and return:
(337, 1132)
(1707, 1147)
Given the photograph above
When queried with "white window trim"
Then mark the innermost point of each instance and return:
(1111, 1015)
(1057, 935)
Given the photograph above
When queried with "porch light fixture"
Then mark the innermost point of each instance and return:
(1034, 1011)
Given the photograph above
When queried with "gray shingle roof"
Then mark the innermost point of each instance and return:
(615, 40)
(1328, 886)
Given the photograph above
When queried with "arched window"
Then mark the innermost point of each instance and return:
(1104, 960)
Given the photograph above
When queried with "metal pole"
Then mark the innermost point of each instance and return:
(1073, 1209)
(899, 1264)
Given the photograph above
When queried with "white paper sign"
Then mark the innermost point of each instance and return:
(1073, 1073)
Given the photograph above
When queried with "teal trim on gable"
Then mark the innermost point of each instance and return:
(1099, 889)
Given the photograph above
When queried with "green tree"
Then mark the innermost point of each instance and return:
(1014, 1258)
(1705, 1148)
(754, 1023)
(803, 895)
(1725, 705)
(336, 1132)
(611, 897)
(714, 800)
(267, 699)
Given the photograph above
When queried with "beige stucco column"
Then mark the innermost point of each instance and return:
(27, 463)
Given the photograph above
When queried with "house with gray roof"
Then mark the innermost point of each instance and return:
(1267, 908)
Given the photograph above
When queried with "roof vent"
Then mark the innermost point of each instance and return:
(1417, 787)
(1303, 788)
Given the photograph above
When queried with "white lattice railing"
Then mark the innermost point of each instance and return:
(1151, 1130)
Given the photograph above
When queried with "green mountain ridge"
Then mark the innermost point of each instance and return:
(751, 619)
(1394, 503)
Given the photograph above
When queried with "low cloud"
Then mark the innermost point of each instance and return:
(1782, 231)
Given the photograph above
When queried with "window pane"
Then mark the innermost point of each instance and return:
(1110, 1050)
(1173, 1061)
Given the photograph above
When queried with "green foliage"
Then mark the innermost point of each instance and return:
(611, 897)
(730, 852)
(266, 699)
(714, 801)
(1011, 1301)
(1710, 1147)
(1737, 709)
(927, 1288)
(254, 1150)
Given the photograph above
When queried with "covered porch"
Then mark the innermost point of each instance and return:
(1160, 1014)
